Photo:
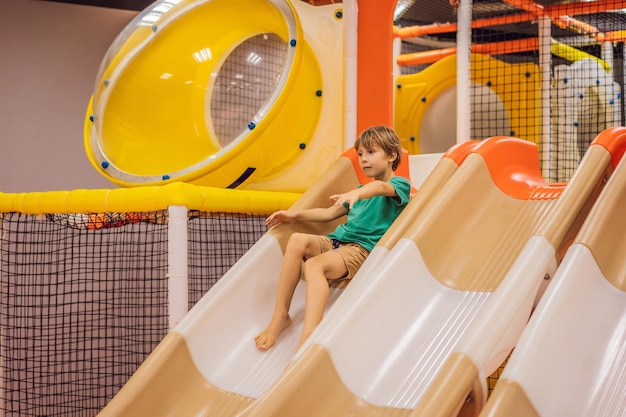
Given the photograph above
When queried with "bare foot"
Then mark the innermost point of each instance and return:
(268, 337)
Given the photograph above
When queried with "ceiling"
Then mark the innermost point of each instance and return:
(115, 4)
(142, 4)
(427, 12)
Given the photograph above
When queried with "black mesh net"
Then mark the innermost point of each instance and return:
(585, 64)
(84, 300)
(216, 242)
(245, 83)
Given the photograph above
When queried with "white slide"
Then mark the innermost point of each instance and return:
(386, 339)
(571, 358)
(208, 364)
(461, 382)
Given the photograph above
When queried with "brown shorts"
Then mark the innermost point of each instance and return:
(353, 254)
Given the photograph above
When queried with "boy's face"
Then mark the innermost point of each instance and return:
(374, 162)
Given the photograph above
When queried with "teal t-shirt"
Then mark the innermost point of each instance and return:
(370, 218)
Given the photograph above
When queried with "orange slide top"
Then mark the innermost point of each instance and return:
(614, 141)
(457, 153)
(514, 168)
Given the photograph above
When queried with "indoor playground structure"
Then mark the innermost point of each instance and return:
(230, 80)
(501, 278)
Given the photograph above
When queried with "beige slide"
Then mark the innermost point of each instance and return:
(460, 384)
(571, 358)
(208, 365)
(381, 346)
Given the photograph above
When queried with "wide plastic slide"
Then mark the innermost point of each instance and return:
(571, 358)
(208, 365)
(460, 384)
(379, 348)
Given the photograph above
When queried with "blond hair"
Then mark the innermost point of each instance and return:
(383, 137)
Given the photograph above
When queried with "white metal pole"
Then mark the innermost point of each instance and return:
(178, 295)
(607, 54)
(548, 166)
(350, 21)
(397, 70)
(463, 80)
(608, 92)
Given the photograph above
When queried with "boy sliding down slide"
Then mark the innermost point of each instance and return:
(371, 209)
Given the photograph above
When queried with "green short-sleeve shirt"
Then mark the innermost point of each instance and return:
(370, 218)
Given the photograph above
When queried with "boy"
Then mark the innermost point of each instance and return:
(371, 209)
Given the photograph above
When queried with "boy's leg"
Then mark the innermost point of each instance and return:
(299, 245)
(317, 271)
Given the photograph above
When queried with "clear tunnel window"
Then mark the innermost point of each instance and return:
(244, 84)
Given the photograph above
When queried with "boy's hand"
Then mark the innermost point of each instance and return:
(350, 197)
(281, 216)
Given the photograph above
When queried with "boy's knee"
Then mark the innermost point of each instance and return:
(296, 240)
(312, 268)
(300, 244)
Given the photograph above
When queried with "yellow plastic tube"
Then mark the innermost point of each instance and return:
(198, 91)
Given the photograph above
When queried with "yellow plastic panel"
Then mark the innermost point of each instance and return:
(514, 87)
(155, 116)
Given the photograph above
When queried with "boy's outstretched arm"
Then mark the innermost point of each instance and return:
(307, 215)
(369, 190)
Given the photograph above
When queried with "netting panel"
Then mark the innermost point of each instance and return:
(84, 300)
(80, 311)
(215, 242)
(583, 96)
(586, 98)
(244, 84)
